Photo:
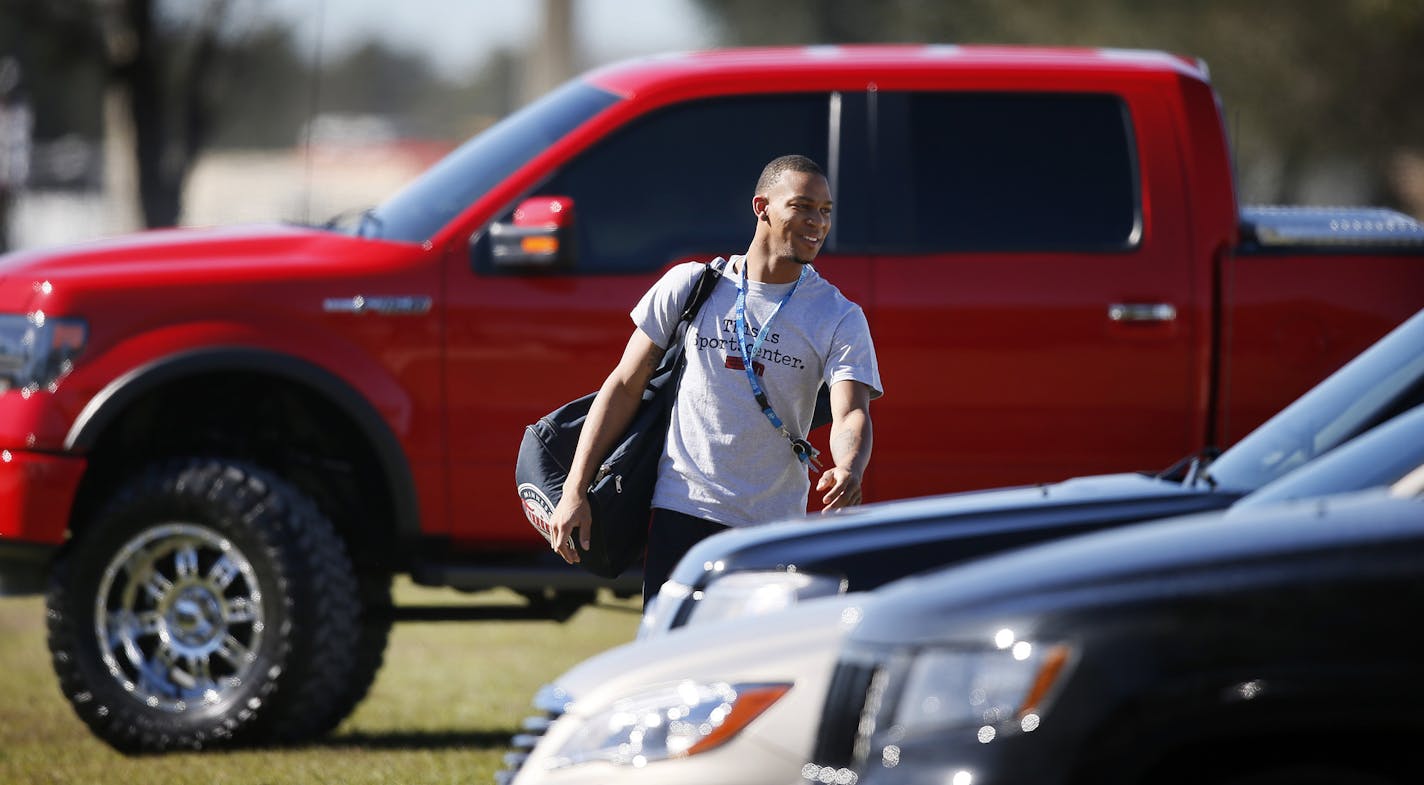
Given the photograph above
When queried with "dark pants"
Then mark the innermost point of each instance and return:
(670, 536)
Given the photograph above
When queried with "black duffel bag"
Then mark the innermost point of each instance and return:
(620, 498)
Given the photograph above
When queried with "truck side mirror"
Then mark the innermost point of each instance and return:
(539, 236)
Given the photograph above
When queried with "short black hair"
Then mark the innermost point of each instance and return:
(779, 166)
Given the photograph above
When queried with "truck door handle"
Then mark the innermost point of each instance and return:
(1142, 312)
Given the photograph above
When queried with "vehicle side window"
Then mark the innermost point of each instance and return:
(1005, 172)
(677, 183)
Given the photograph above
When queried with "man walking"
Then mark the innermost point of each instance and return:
(771, 332)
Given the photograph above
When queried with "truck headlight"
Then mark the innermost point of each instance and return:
(37, 351)
(671, 721)
(994, 691)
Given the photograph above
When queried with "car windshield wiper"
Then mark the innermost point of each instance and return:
(1197, 469)
(368, 224)
(1192, 468)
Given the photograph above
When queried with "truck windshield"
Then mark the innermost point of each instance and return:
(420, 209)
(1383, 381)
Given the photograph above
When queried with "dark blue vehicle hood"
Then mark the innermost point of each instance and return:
(1178, 559)
(882, 542)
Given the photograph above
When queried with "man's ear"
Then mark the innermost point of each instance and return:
(759, 205)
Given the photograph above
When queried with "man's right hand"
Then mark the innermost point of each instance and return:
(608, 417)
(572, 518)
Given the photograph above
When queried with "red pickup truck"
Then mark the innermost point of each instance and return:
(219, 445)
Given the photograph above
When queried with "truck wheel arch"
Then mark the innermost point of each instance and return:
(105, 407)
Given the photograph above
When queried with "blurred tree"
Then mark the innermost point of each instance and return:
(160, 81)
(268, 94)
(266, 89)
(162, 73)
(58, 49)
(157, 66)
(16, 129)
(553, 56)
(376, 79)
(1315, 90)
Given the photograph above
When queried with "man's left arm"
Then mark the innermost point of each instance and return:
(850, 445)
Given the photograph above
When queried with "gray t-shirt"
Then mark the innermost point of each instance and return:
(724, 461)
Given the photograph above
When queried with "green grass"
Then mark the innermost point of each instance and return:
(441, 711)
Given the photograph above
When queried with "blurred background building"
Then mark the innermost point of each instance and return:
(117, 115)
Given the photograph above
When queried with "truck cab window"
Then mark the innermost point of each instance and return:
(1005, 172)
(677, 183)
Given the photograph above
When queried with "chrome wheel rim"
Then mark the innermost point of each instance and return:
(179, 617)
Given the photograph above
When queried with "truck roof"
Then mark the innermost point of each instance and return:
(825, 67)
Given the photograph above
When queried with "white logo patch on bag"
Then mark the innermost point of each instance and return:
(538, 509)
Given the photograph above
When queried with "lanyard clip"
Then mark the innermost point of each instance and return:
(806, 454)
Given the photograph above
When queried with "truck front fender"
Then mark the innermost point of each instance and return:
(101, 410)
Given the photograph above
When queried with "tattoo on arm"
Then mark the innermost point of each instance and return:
(851, 440)
(847, 442)
(654, 357)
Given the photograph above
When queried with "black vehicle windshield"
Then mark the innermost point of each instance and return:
(420, 209)
(1380, 457)
(1383, 381)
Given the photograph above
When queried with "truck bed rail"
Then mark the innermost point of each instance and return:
(1293, 227)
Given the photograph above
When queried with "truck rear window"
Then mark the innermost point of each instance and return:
(964, 171)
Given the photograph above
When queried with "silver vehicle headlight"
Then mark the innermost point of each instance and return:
(993, 691)
(37, 351)
(933, 694)
(672, 721)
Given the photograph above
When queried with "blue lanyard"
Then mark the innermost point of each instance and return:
(803, 449)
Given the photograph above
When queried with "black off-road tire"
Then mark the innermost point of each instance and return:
(230, 612)
(377, 617)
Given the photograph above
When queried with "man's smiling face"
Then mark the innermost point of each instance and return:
(798, 214)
